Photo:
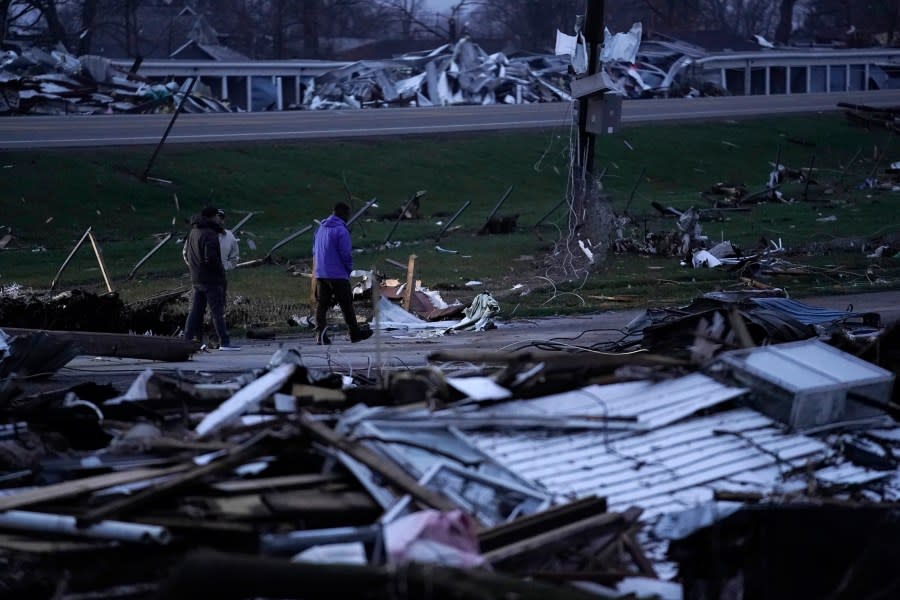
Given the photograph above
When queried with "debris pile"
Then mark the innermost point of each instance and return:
(458, 73)
(79, 310)
(37, 82)
(571, 471)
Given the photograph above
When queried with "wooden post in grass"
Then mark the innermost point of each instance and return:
(99, 256)
(410, 282)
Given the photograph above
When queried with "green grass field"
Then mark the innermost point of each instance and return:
(49, 198)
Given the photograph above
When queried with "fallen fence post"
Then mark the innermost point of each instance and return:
(69, 259)
(496, 208)
(634, 188)
(243, 221)
(159, 146)
(812, 163)
(149, 255)
(100, 261)
(361, 212)
(451, 221)
(846, 168)
(550, 212)
(268, 256)
(400, 217)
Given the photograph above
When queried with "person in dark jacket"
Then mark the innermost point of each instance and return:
(204, 258)
(332, 255)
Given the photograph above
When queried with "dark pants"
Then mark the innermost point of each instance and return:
(214, 296)
(329, 291)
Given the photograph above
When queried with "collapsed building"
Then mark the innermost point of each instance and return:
(593, 467)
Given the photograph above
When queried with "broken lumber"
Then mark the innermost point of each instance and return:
(130, 503)
(85, 485)
(392, 473)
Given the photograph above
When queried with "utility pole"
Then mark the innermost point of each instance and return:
(592, 216)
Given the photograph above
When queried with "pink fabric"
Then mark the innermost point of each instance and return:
(432, 536)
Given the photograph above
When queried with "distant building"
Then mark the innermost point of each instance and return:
(161, 29)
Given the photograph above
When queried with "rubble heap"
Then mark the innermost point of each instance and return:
(37, 82)
(565, 469)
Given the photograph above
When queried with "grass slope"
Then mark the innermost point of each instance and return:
(48, 199)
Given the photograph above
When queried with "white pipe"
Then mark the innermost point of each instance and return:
(108, 530)
(247, 397)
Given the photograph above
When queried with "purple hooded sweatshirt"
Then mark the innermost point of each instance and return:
(332, 249)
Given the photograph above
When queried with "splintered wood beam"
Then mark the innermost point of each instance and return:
(85, 485)
(410, 282)
(128, 504)
(391, 472)
(120, 345)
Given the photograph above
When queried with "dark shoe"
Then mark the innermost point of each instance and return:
(362, 334)
(322, 338)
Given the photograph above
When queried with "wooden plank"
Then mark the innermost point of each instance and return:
(544, 542)
(121, 345)
(273, 483)
(170, 486)
(70, 489)
(316, 501)
(382, 466)
(541, 522)
(638, 556)
(410, 282)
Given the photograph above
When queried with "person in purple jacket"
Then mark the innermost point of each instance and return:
(332, 255)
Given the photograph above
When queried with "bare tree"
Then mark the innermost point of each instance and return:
(740, 17)
(785, 21)
(531, 23)
(411, 18)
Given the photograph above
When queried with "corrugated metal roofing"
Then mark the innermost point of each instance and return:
(661, 470)
(651, 404)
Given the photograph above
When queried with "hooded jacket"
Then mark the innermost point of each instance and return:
(332, 249)
(202, 252)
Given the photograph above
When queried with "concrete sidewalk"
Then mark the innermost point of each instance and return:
(397, 350)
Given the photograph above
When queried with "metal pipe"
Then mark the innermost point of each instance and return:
(289, 544)
(452, 220)
(497, 207)
(550, 212)
(168, 129)
(69, 259)
(289, 238)
(812, 163)
(243, 221)
(107, 530)
(634, 188)
(400, 218)
(361, 212)
(149, 255)
(100, 261)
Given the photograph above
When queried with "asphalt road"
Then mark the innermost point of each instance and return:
(119, 130)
